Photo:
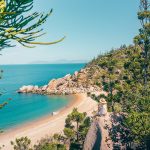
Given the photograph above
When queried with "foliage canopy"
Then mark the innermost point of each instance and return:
(17, 25)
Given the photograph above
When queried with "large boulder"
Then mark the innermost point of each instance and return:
(67, 77)
(52, 84)
(26, 89)
(60, 82)
(76, 73)
(22, 89)
(44, 88)
(55, 84)
(36, 88)
(30, 88)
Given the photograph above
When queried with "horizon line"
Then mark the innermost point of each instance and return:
(46, 63)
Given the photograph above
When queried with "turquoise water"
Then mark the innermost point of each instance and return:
(25, 107)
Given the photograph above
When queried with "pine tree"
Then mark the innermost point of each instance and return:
(76, 128)
(138, 82)
(16, 25)
(143, 40)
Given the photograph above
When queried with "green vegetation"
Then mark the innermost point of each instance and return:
(125, 76)
(16, 25)
(127, 94)
(49, 143)
(22, 144)
(76, 128)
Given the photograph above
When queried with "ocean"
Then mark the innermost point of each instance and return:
(22, 108)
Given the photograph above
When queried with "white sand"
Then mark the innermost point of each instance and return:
(49, 125)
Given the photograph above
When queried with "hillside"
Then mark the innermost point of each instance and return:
(88, 79)
(117, 77)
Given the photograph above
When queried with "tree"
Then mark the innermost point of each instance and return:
(139, 125)
(76, 127)
(69, 133)
(77, 117)
(143, 40)
(22, 144)
(51, 143)
(48, 143)
(53, 146)
(132, 89)
(137, 82)
(132, 80)
(16, 25)
(110, 80)
(83, 128)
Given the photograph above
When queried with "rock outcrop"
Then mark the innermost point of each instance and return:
(93, 137)
(70, 84)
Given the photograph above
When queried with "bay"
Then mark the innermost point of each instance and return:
(23, 108)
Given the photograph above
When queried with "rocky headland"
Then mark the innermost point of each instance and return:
(70, 84)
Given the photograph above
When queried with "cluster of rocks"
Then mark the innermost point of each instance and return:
(32, 89)
(66, 85)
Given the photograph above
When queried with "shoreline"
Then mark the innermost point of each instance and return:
(72, 100)
(49, 124)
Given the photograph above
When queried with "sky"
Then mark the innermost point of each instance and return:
(91, 27)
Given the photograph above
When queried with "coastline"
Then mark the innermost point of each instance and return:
(71, 101)
(49, 124)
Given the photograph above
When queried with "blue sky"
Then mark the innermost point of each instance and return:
(91, 27)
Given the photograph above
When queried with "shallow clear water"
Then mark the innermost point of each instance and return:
(25, 107)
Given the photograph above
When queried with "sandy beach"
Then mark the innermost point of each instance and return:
(48, 125)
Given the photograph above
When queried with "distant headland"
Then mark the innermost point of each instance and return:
(69, 84)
